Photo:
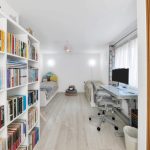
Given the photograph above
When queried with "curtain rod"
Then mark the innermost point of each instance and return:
(124, 37)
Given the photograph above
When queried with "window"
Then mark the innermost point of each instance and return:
(126, 56)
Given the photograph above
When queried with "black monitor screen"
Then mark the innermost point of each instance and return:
(120, 75)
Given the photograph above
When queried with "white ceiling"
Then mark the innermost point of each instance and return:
(86, 24)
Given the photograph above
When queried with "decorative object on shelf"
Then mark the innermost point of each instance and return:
(71, 91)
(29, 30)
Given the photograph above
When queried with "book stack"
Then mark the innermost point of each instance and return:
(2, 144)
(16, 74)
(33, 138)
(32, 97)
(15, 46)
(16, 134)
(33, 52)
(32, 117)
(33, 74)
(2, 118)
(2, 41)
(1, 78)
(16, 106)
(22, 147)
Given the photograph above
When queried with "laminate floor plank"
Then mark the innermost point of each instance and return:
(65, 126)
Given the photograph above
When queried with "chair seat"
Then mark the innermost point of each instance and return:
(102, 94)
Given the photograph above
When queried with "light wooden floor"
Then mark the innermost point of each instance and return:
(65, 126)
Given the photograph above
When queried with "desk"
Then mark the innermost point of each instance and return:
(120, 94)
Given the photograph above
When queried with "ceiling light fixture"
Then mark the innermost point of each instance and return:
(67, 47)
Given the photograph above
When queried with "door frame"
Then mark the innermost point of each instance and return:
(148, 71)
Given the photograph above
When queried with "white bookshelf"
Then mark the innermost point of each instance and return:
(9, 25)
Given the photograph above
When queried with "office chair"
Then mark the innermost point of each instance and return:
(105, 103)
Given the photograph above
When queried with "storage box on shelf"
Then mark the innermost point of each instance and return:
(14, 85)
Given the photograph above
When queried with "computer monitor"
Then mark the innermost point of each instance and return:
(120, 75)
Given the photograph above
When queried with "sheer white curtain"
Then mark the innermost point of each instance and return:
(126, 56)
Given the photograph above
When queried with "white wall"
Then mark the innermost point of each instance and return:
(104, 65)
(5, 7)
(73, 69)
(142, 101)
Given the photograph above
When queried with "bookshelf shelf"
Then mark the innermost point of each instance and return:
(16, 118)
(33, 126)
(2, 90)
(16, 56)
(2, 128)
(16, 87)
(21, 143)
(33, 82)
(33, 105)
(31, 60)
(2, 52)
(15, 51)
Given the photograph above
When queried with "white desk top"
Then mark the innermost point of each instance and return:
(120, 92)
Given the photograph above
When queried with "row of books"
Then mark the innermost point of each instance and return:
(22, 147)
(16, 74)
(16, 46)
(16, 106)
(2, 144)
(1, 78)
(16, 134)
(32, 97)
(2, 41)
(33, 138)
(32, 117)
(33, 52)
(33, 74)
(2, 116)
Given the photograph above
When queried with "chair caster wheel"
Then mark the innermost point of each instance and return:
(90, 118)
(98, 128)
(113, 118)
(116, 128)
(98, 114)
